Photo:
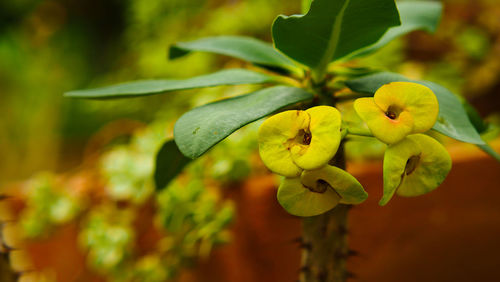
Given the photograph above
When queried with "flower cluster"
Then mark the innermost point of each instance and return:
(300, 144)
(414, 163)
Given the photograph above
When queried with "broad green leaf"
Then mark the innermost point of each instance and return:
(421, 15)
(150, 87)
(474, 117)
(488, 150)
(244, 48)
(201, 128)
(169, 163)
(452, 120)
(333, 29)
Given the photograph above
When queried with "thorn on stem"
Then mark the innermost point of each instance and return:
(324, 229)
(306, 246)
(302, 244)
(341, 255)
(322, 276)
(342, 230)
(8, 248)
(297, 240)
(350, 275)
(352, 253)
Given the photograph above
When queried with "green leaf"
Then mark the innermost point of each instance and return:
(150, 87)
(169, 163)
(452, 120)
(244, 48)
(488, 150)
(333, 29)
(201, 128)
(423, 15)
(474, 117)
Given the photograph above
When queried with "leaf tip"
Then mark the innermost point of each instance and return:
(175, 52)
(72, 94)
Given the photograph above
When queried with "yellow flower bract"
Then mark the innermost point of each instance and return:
(414, 166)
(292, 141)
(398, 109)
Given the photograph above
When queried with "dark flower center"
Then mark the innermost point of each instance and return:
(304, 137)
(393, 112)
(411, 164)
(321, 187)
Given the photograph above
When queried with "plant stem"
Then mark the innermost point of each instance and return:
(359, 131)
(324, 240)
(352, 96)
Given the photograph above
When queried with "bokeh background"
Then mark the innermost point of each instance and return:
(78, 173)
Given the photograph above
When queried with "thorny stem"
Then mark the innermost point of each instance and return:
(359, 131)
(324, 92)
(351, 96)
(324, 240)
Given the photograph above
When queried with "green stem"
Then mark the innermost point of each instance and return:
(288, 81)
(352, 96)
(324, 240)
(359, 131)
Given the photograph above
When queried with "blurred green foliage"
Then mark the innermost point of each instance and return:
(128, 169)
(49, 47)
(48, 204)
(189, 215)
(108, 237)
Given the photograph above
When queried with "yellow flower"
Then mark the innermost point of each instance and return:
(318, 191)
(414, 166)
(398, 109)
(292, 141)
